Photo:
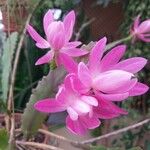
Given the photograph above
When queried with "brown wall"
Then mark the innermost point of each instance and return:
(107, 19)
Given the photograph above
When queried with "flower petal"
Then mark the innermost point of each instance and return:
(84, 74)
(56, 35)
(48, 18)
(42, 43)
(143, 37)
(49, 105)
(132, 65)
(72, 113)
(78, 86)
(96, 55)
(71, 45)
(126, 87)
(108, 110)
(144, 26)
(63, 96)
(90, 122)
(75, 126)
(114, 97)
(68, 83)
(58, 41)
(138, 89)
(74, 52)
(112, 57)
(81, 107)
(90, 100)
(46, 58)
(69, 22)
(111, 80)
(69, 64)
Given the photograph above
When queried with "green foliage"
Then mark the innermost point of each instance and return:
(3, 139)
(7, 58)
(100, 147)
(47, 87)
(135, 148)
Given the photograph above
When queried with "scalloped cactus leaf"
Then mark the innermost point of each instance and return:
(7, 57)
(47, 87)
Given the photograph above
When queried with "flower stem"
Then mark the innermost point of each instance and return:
(53, 65)
(112, 44)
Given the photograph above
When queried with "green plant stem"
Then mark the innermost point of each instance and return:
(53, 65)
(111, 45)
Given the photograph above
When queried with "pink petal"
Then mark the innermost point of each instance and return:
(56, 35)
(138, 89)
(112, 57)
(63, 96)
(74, 52)
(75, 126)
(84, 74)
(114, 97)
(144, 26)
(68, 83)
(81, 107)
(132, 65)
(78, 86)
(143, 37)
(58, 41)
(96, 55)
(48, 18)
(126, 87)
(49, 105)
(46, 58)
(72, 113)
(69, 22)
(42, 43)
(90, 100)
(111, 80)
(69, 64)
(108, 110)
(71, 45)
(90, 123)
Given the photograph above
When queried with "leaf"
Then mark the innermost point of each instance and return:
(147, 145)
(101, 147)
(3, 139)
(7, 57)
(47, 87)
(135, 148)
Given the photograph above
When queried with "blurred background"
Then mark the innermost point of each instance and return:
(95, 19)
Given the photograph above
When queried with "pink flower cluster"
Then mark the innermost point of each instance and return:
(89, 90)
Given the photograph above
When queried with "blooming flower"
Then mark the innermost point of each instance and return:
(79, 107)
(83, 110)
(107, 76)
(141, 30)
(58, 35)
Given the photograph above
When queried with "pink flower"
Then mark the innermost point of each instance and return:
(84, 110)
(141, 30)
(58, 35)
(79, 107)
(108, 77)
